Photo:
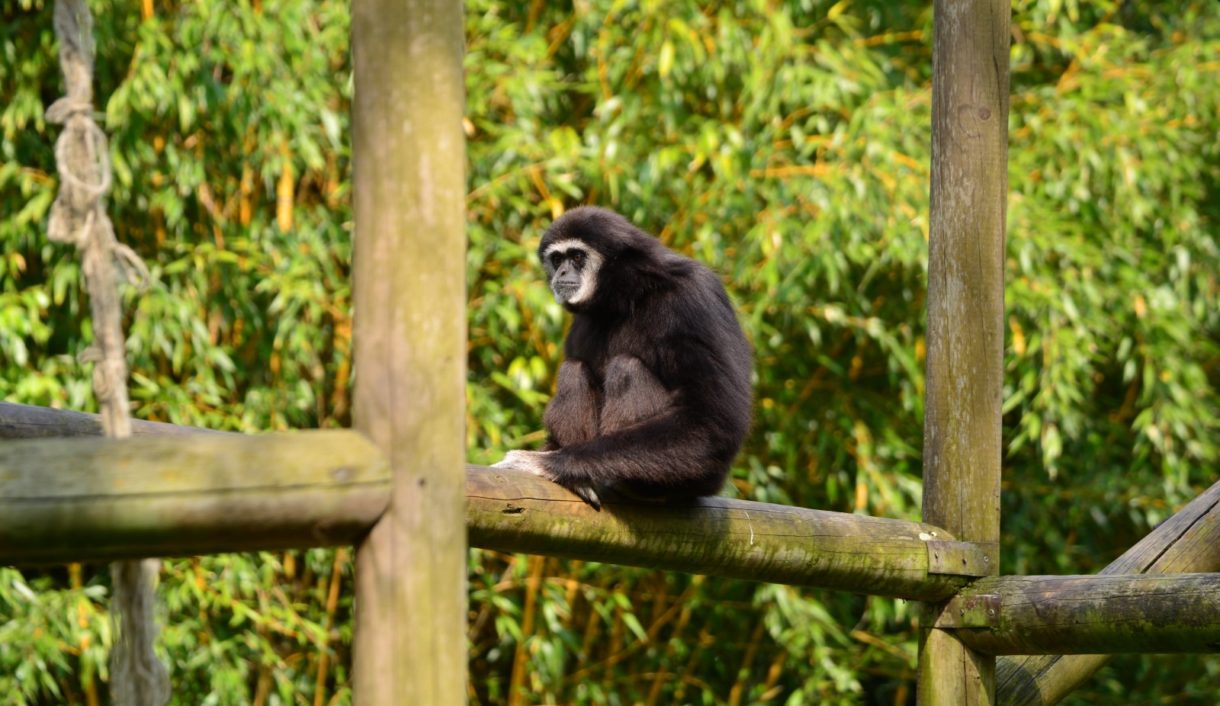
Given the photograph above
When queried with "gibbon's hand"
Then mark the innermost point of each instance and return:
(533, 462)
(526, 461)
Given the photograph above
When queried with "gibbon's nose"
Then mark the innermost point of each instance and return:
(565, 284)
(567, 276)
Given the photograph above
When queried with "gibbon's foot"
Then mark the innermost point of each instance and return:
(531, 461)
(586, 493)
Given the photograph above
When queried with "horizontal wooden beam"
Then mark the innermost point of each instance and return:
(518, 512)
(88, 499)
(182, 491)
(511, 511)
(23, 421)
(1188, 542)
(1028, 615)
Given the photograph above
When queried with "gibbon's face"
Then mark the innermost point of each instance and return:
(571, 267)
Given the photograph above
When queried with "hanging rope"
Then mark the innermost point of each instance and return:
(78, 217)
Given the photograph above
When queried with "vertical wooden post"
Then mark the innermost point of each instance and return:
(410, 347)
(965, 314)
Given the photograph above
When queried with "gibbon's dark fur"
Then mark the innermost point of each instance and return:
(654, 396)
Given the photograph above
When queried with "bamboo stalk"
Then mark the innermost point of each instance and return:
(521, 657)
(615, 647)
(332, 605)
(262, 687)
(747, 664)
(285, 188)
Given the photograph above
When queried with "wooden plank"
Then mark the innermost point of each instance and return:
(518, 512)
(965, 315)
(1107, 614)
(410, 346)
(87, 499)
(1188, 542)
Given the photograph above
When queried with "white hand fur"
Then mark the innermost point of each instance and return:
(531, 461)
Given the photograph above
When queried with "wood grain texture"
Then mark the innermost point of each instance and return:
(410, 347)
(962, 421)
(87, 499)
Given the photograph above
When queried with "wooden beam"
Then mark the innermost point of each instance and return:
(87, 499)
(1188, 542)
(1009, 615)
(518, 512)
(409, 299)
(23, 421)
(965, 315)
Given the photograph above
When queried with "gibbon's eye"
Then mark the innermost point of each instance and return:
(556, 259)
(578, 259)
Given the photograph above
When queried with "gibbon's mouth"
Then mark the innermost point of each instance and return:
(565, 289)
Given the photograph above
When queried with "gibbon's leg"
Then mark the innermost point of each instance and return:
(651, 446)
(633, 394)
(572, 417)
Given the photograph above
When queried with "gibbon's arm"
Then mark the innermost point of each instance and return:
(667, 455)
(632, 395)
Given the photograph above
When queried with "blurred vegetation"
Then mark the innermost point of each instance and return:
(786, 145)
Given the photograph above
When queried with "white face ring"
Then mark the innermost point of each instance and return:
(588, 276)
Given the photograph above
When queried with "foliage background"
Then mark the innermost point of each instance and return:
(787, 145)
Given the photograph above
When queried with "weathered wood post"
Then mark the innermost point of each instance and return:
(410, 347)
(965, 316)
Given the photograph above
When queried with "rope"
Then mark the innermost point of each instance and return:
(78, 217)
